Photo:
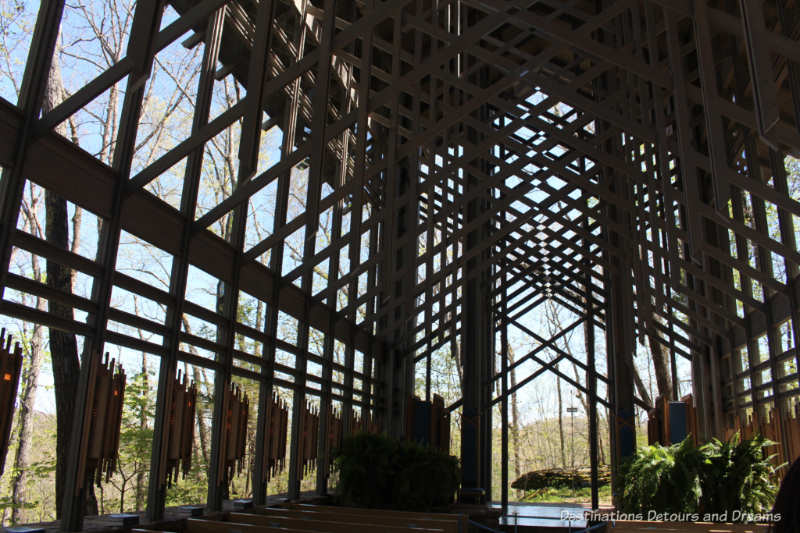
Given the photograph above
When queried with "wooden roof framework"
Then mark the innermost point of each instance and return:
(625, 158)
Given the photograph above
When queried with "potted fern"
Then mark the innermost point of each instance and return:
(734, 478)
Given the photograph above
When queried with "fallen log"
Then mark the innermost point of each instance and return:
(561, 477)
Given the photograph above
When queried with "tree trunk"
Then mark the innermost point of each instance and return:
(641, 388)
(141, 492)
(561, 423)
(27, 400)
(221, 294)
(201, 380)
(459, 369)
(600, 448)
(202, 428)
(102, 500)
(63, 346)
(661, 367)
(514, 419)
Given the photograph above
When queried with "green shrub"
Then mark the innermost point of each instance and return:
(717, 477)
(376, 471)
(663, 478)
(738, 475)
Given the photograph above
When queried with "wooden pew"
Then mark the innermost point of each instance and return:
(449, 522)
(328, 522)
(375, 518)
(200, 525)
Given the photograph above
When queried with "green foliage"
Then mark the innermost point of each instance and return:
(365, 465)
(425, 478)
(192, 489)
(39, 478)
(663, 478)
(738, 476)
(377, 471)
(714, 478)
(136, 435)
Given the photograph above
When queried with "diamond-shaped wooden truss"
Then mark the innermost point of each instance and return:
(460, 162)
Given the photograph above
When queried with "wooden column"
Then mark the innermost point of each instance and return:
(156, 491)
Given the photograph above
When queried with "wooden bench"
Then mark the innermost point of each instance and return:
(448, 522)
(328, 522)
(377, 518)
(200, 525)
(323, 519)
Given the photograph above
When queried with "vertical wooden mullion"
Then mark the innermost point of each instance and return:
(141, 51)
(368, 397)
(788, 239)
(715, 133)
(249, 146)
(762, 79)
(764, 264)
(392, 302)
(504, 393)
(315, 177)
(356, 215)
(289, 128)
(323, 450)
(180, 269)
(591, 378)
(690, 191)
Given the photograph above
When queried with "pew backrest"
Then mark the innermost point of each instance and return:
(386, 523)
(334, 524)
(199, 525)
(450, 522)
